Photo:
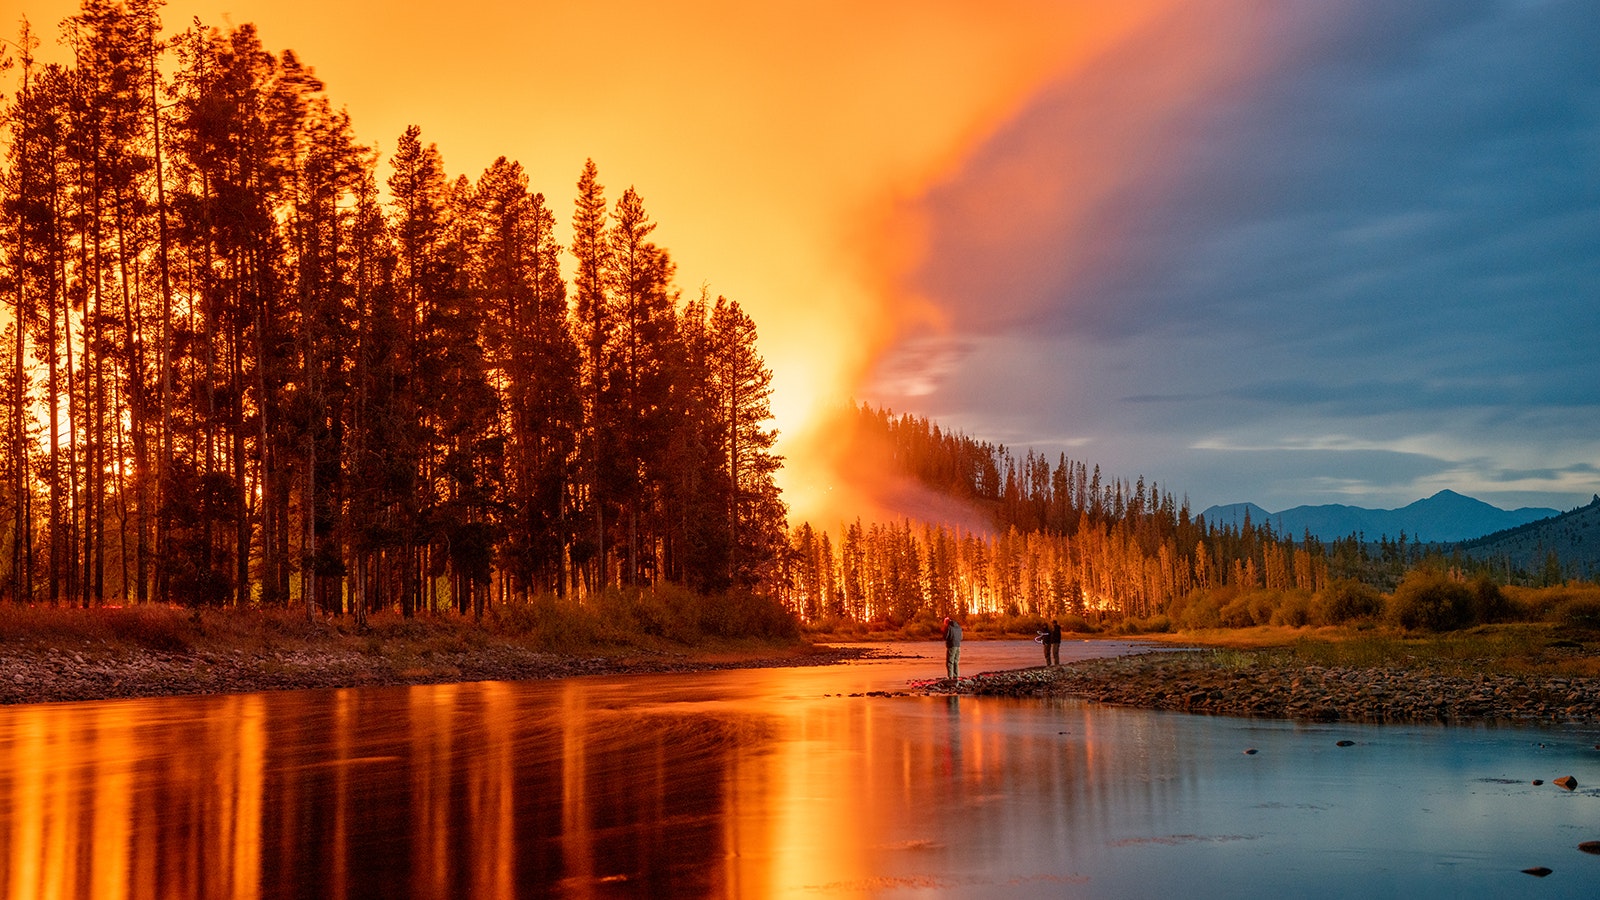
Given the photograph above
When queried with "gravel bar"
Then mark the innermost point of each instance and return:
(1201, 681)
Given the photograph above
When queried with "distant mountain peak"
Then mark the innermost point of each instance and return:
(1447, 516)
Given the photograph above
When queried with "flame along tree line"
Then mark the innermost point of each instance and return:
(1068, 542)
(235, 374)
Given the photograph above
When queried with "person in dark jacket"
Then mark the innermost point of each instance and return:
(1052, 644)
(952, 648)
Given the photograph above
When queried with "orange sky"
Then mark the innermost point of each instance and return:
(779, 146)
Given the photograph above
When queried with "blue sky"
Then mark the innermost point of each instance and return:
(1286, 254)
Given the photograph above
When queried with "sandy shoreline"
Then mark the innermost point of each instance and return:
(1245, 684)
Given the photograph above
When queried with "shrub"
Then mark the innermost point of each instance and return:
(1076, 625)
(1157, 624)
(736, 614)
(1545, 604)
(1489, 603)
(1200, 609)
(1295, 609)
(1249, 608)
(843, 629)
(1579, 612)
(1347, 600)
(925, 627)
(1430, 601)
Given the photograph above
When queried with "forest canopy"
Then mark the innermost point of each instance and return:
(249, 362)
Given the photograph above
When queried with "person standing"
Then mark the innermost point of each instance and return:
(952, 648)
(1053, 644)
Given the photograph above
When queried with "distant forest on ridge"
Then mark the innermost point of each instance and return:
(1068, 540)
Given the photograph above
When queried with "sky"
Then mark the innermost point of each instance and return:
(1285, 252)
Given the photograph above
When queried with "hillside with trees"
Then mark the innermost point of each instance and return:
(1564, 546)
(246, 362)
(1069, 540)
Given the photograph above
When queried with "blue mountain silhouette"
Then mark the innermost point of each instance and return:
(1444, 517)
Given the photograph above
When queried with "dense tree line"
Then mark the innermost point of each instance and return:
(245, 362)
(1067, 540)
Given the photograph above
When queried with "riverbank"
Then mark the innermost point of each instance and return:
(63, 654)
(1278, 683)
(51, 676)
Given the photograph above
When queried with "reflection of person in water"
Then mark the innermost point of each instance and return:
(952, 751)
(952, 648)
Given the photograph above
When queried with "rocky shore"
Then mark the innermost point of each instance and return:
(1245, 684)
(46, 675)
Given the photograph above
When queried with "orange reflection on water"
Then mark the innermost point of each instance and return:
(735, 784)
(88, 811)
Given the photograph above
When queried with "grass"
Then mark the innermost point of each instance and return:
(613, 625)
(1513, 649)
(623, 624)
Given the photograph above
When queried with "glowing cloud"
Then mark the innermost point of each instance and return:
(778, 146)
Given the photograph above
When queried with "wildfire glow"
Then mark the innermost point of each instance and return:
(780, 152)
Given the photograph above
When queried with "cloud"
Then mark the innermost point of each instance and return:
(1380, 220)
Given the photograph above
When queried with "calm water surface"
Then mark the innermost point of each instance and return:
(772, 783)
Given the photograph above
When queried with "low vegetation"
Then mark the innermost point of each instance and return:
(1430, 622)
(616, 623)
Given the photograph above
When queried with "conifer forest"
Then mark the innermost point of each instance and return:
(249, 360)
(249, 363)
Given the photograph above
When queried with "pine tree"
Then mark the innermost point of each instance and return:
(518, 277)
(742, 386)
(632, 417)
(423, 278)
(696, 489)
(592, 309)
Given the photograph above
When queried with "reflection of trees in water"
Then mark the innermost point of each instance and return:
(132, 800)
(449, 791)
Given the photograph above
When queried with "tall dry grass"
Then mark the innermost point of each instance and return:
(615, 621)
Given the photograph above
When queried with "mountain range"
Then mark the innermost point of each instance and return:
(1445, 517)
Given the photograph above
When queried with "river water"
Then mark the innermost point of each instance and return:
(773, 783)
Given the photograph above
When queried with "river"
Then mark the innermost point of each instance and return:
(773, 783)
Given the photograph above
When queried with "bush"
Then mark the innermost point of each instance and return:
(842, 629)
(738, 614)
(1296, 609)
(1579, 612)
(1347, 600)
(1489, 603)
(624, 618)
(1200, 609)
(1155, 625)
(1076, 625)
(1545, 604)
(925, 627)
(1249, 608)
(1430, 601)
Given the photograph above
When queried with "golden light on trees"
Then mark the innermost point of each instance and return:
(784, 159)
(778, 148)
